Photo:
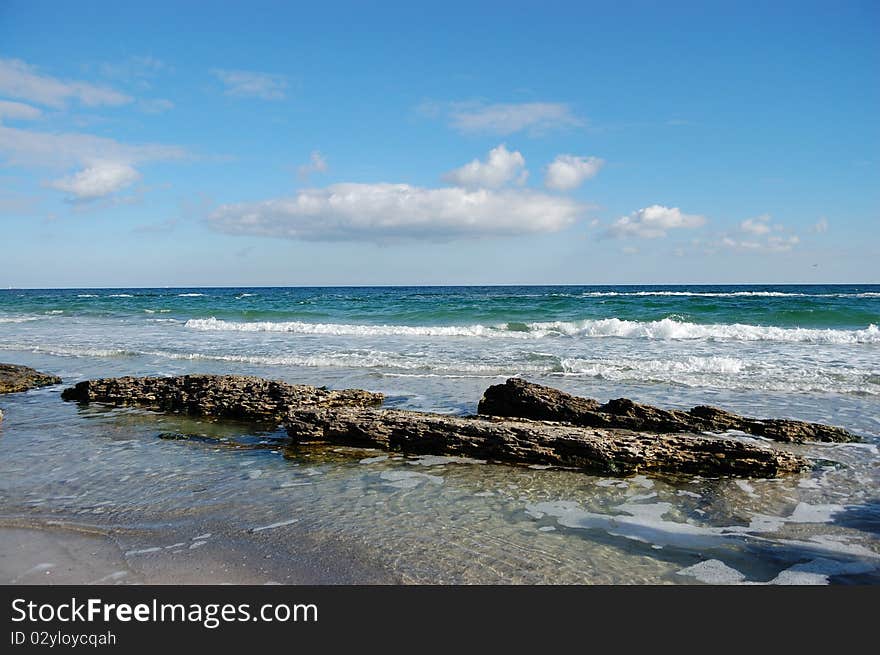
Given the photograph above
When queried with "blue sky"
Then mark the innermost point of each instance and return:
(464, 143)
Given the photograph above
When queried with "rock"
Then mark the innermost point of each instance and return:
(14, 378)
(522, 399)
(610, 451)
(217, 396)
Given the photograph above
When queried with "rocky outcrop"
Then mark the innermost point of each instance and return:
(217, 396)
(610, 451)
(14, 378)
(522, 399)
(545, 426)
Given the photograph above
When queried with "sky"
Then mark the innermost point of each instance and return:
(248, 144)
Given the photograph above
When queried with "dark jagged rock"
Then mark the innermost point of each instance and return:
(611, 451)
(218, 396)
(14, 378)
(521, 399)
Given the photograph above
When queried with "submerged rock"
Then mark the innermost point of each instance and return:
(14, 378)
(611, 451)
(218, 396)
(522, 399)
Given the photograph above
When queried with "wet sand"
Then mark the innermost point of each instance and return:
(56, 554)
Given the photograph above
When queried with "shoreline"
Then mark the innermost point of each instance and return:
(57, 552)
(398, 519)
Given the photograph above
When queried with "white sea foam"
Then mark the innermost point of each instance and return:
(63, 351)
(120, 295)
(669, 329)
(713, 571)
(19, 319)
(626, 367)
(664, 329)
(272, 526)
(335, 329)
(685, 370)
(190, 295)
(806, 513)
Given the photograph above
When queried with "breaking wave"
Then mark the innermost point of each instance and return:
(19, 319)
(665, 329)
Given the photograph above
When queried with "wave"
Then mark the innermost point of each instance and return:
(691, 364)
(120, 295)
(337, 329)
(726, 373)
(698, 372)
(190, 295)
(19, 319)
(64, 351)
(665, 329)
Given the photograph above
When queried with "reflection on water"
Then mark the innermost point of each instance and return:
(434, 519)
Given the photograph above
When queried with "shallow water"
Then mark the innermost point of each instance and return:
(237, 492)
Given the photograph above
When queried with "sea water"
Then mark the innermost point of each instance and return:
(806, 352)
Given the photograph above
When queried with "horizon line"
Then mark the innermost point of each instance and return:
(442, 286)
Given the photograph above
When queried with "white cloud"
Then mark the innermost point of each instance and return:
(758, 226)
(569, 172)
(97, 180)
(317, 164)
(773, 243)
(505, 118)
(22, 81)
(821, 226)
(266, 86)
(381, 212)
(27, 147)
(653, 222)
(18, 111)
(501, 166)
(758, 235)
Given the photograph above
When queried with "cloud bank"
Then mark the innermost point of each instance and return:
(382, 212)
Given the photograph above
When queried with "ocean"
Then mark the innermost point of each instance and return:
(810, 352)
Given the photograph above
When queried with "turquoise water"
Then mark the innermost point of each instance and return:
(808, 306)
(788, 338)
(807, 352)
